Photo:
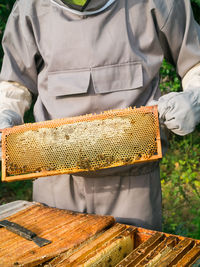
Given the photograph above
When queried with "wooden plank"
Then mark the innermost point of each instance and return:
(160, 251)
(89, 247)
(65, 229)
(190, 257)
(176, 254)
(142, 250)
(111, 252)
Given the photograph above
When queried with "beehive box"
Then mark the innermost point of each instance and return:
(88, 240)
(81, 144)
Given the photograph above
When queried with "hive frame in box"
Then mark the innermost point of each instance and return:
(112, 114)
(150, 248)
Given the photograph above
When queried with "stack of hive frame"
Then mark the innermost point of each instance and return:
(81, 144)
(91, 240)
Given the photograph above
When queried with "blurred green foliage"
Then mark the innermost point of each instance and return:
(180, 174)
(180, 168)
(169, 81)
(196, 9)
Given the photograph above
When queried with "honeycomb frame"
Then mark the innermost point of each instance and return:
(84, 143)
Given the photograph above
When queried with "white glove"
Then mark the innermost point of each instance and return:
(180, 112)
(14, 96)
(15, 99)
(8, 118)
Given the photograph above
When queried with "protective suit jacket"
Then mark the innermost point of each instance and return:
(105, 58)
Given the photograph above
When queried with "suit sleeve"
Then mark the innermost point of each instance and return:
(180, 37)
(21, 56)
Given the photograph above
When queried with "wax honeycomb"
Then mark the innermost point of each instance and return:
(81, 144)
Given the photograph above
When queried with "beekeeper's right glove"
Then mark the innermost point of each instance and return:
(8, 118)
(15, 99)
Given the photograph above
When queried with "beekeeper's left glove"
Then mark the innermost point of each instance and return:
(180, 112)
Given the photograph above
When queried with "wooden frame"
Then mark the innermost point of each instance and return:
(60, 122)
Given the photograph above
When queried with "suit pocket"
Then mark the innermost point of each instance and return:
(118, 77)
(68, 82)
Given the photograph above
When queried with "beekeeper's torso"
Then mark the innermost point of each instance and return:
(106, 55)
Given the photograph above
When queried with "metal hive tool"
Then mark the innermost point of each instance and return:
(81, 144)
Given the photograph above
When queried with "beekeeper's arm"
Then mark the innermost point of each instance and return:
(18, 77)
(180, 39)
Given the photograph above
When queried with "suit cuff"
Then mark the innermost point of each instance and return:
(191, 80)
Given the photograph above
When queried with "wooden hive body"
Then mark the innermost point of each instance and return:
(90, 240)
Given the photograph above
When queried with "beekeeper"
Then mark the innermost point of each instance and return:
(79, 57)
